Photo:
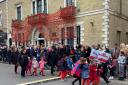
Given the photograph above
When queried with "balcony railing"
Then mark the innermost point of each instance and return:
(17, 24)
(68, 12)
(37, 19)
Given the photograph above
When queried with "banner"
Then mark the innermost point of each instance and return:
(103, 56)
(94, 54)
(100, 56)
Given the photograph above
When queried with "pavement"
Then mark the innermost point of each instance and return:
(8, 77)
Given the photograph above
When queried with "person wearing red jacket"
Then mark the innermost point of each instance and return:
(94, 74)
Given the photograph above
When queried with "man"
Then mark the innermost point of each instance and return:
(115, 54)
(115, 51)
(30, 52)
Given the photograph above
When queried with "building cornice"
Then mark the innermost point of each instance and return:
(101, 11)
(89, 13)
(115, 13)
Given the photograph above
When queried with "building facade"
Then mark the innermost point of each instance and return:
(3, 23)
(67, 21)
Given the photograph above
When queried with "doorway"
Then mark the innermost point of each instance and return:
(41, 40)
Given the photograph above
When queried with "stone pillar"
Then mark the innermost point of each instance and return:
(105, 23)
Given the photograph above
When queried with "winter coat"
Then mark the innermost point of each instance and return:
(69, 63)
(76, 71)
(35, 64)
(85, 71)
(15, 57)
(52, 58)
(82, 54)
(67, 51)
(113, 63)
(23, 60)
(77, 54)
(115, 52)
(94, 73)
(63, 65)
(29, 64)
(127, 61)
(87, 52)
(41, 64)
(31, 52)
(121, 59)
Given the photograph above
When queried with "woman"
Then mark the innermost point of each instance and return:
(14, 56)
(23, 60)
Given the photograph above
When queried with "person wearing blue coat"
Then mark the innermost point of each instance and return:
(85, 70)
(69, 63)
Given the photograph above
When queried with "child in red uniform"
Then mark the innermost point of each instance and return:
(41, 65)
(94, 74)
(63, 68)
(35, 66)
(29, 66)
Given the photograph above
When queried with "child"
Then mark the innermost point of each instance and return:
(94, 74)
(63, 68)
(70, 64)
(85, 71)
(76, 72)
(29, 66)
(35, 66)
(59, 66)
(112, 68)
(41, 65)
(121, 62)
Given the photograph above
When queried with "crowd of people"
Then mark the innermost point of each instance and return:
(68, 60)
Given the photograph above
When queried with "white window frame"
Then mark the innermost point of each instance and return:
(66, 5)
(32, 6)
(19, 5)
(43, 5)
(36, 6)
(47, 6)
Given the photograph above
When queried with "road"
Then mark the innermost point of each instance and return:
(8, 77)
(69, 82)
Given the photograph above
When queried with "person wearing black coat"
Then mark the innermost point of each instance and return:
(14, 56)
(31, 52)
(9, 55)
(4, 55)
(23, 60)
(104, 67)
(52, 59)
(87, 52)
